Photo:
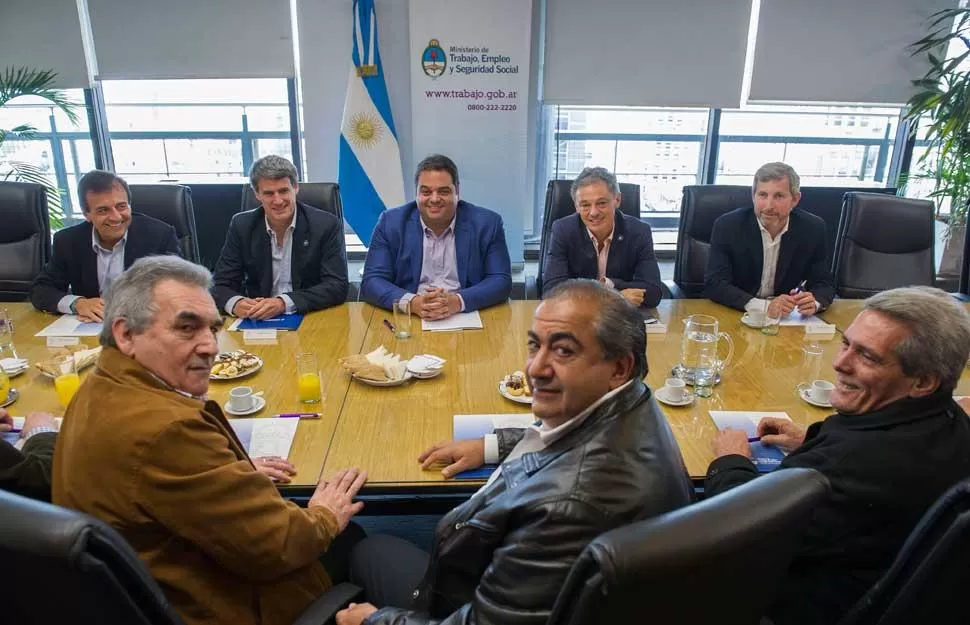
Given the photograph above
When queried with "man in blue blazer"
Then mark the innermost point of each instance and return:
(770, 257)
(88, 256)
(599, 242)
(442, 254)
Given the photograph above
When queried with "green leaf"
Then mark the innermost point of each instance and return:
(22, 81)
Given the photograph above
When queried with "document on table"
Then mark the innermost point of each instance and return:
(460, 321)
(70, 325)
(795, 318)
(13, 437)
(267, 436)
(765, 458)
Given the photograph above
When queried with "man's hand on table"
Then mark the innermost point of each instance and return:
(458, 455)
(337, 495)
(729, 442)
(278, 469)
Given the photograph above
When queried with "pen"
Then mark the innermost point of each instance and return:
(389, 325)
(756, 439)
(801, 286)
(299, 415)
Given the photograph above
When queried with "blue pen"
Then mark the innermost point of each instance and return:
(756, 439)
(801, 287)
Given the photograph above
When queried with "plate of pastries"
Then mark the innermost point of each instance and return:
(234, 365)
(515, 387)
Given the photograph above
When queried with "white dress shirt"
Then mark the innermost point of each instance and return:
(538, 437)
(111, 264)
(602, 255)
(282, 255)
(770, 247)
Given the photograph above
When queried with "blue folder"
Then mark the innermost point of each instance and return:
(282, 322)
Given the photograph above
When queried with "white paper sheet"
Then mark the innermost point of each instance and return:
(795, 318)
(743, 420)
(70, 325)
(18, 422)
(272, 437)
(461, 321)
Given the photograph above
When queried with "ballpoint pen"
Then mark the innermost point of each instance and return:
(801, 287)
(299, 415)
(390, 326)
(756, 439)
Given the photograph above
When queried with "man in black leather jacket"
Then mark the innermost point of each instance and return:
(603, 457)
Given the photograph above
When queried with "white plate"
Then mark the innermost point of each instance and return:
(426, 374)
(239, 375)
(748, 321)
(519, 399)
(12, 396)
(805, 396)
(661, 395)
(258, 405)
(407, 376)
(12, 373)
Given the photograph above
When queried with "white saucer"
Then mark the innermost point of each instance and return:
(257, 406)
(805, 396)
(15, 372)
(661, 395)
(746, 320)
(12, 396)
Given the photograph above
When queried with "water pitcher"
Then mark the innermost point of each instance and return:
(698, 351)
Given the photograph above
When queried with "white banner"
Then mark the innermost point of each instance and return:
(469, 99)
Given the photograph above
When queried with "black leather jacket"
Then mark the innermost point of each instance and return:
(502, 556)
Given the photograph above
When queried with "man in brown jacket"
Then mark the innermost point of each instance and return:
(141, 449)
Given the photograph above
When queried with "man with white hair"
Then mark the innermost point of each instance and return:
(143, 450)
(896, 443)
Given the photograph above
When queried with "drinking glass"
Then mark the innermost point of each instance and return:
(7, 349)
(67, 381)
(772, 321)
(402, 318)
(4, 385)
(308, 379)
(811, 366)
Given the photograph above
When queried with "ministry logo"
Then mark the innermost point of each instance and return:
(433, 60)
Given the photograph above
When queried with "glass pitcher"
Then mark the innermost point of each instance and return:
(699, 363)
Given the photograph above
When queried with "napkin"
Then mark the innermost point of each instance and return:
(13, 365)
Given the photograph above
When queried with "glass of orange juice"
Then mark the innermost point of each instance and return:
(308, 379)
(4, 385)
(67, 381)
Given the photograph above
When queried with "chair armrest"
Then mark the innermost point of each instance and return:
(672, 290)
(531, 291)
(324, 610)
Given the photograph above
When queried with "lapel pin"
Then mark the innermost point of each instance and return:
(306, 243)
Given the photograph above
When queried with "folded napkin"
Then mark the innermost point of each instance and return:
(13, 365)
(426, 362)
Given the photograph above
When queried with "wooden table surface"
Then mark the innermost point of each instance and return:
(382, 430)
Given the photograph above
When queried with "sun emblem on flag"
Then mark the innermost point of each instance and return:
(433, 59)
(366, 130)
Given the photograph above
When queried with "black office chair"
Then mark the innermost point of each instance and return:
(25, 237)
(700, 207)
(884, 242)
(927, 581)
(559, 203)
(710, 551)
(322, 195)
(171, 203)
(826, 202)
(61, 566)
(214, 205)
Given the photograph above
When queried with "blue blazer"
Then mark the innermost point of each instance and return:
(736, 259)
(396, 253)
(630, 265)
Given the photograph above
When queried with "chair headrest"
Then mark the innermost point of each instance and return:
(703, 204)
(905, 225)
(23, 207)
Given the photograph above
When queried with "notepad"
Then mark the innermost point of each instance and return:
(766, 458)
(472, 426)
(70, 325)
(795, 318)
(460, 321)
(280, 322)
(265, 437)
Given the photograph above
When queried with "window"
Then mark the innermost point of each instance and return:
(60, 149)
(838, 146)
(193, 131)
(658, 148)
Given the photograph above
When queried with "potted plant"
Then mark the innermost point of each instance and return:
(16, 83)
(942, 101)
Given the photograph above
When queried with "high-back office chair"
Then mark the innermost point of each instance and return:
(826, 202)
(928, 580)
(884, 242)
(322, 195)
(171, 203)
(699, 209)
(61, 566)
(711, 550)
(559, 203)
(214, 206)
(25, 237)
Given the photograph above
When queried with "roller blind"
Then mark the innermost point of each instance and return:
(43, 34)
(157, 39)
(634, 53)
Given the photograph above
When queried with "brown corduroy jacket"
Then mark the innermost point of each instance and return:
(168, 473)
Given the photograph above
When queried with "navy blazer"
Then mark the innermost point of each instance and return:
(631, 263)
(318, 264)
(396, 254)
(736, 259)
(73, 266)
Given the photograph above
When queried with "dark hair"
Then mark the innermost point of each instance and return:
(437, 162)
(271, 167)
(619, 326)
(99, 181)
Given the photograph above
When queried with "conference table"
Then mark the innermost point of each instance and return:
(383, 429)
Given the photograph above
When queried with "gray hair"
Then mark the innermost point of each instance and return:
(271, 167)
(619, 327)
(777, 171)
(939, 341)
(592, 175)
(132, 295)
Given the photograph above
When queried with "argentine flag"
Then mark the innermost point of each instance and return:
(370, 175)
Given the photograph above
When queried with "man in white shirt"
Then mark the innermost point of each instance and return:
(602, 456)
(770, 257)
(283, 257)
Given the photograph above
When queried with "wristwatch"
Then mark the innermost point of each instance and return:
(74, 306)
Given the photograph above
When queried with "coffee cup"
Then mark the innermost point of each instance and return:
(676, 389)
(241, 398)
(821, 391)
